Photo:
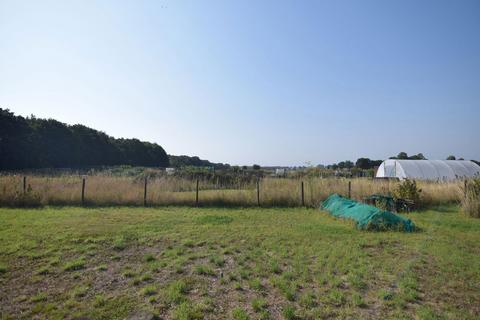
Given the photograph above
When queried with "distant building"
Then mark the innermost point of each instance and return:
(428, 169)
(170, 170)
(280, 171)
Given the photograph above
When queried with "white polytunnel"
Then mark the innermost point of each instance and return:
(440, 170)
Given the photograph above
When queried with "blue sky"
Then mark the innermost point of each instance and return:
(268, 82)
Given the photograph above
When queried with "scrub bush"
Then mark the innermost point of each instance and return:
(407, 189)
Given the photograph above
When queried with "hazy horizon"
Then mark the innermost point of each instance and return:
(271, 83)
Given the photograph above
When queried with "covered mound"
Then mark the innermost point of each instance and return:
(367, 217)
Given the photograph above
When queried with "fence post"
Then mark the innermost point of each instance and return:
(349, 189)
(83, 191)
(303, 196)
(24, 184)
(145, 193)
(465, 186)
(196, 195)
(258, 192)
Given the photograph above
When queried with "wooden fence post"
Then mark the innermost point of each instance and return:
(24, 184)
(196, 195)
(303, 196)
(145, 193)
(349, 189)
(83, 191)
(258, 192)
(465, 186)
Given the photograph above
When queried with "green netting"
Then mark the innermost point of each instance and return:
(366, 216)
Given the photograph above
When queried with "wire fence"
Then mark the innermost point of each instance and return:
(161, 191)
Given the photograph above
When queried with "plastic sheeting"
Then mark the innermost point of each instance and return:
(441, 170)
(365, 216)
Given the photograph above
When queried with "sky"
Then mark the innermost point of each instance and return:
(242, 82)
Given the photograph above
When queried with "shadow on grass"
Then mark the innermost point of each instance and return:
(442, 208)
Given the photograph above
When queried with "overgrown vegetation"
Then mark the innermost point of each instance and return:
(407, 189)
(183, 263)
(105, 190)
(471, 199)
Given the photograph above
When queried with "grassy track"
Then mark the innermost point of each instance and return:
(186, 263)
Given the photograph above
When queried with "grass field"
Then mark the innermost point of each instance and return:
(251, 263)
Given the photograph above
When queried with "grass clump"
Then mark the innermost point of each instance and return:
(385, 295)
(3, 269)
(99, 301)
(218, 261)
(149, 290)
(336, 297)
(187, 311)
(149, 257)
(102, 267)
(128, 273)
(308, 300)
(288, 312)
(120, 243)
(175, 292)
(204, 270)
(256, 284)
(39, 297)
(358, 300)
(259, 304)
(146, 277)
(43, 271)
(275, 267)
(79, 292)
(189, 244)
(240, 314)
(211, 219)
(75, 265)
(285, 288)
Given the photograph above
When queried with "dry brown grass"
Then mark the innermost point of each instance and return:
(106, 191)
(471, 199)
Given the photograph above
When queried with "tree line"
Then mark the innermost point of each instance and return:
(187, 161)
(46, 143)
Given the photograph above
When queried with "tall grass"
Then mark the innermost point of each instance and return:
(107, 190)
(471, 200)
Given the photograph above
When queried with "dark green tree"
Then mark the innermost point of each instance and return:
(363, 163)
(47, 143)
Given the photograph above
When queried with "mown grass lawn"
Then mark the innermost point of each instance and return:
(189, 263)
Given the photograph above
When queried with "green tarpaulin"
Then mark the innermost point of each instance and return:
(366, 216)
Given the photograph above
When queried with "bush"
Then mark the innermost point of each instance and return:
(471, 201)
(407, 189)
